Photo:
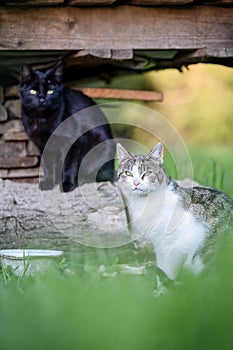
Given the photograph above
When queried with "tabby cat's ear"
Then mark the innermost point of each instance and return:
(26, 72)
(157, 153)
(57, 72)
(122, 154)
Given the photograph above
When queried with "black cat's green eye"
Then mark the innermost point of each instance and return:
(50, 92)
(128, 173)
(33, 92)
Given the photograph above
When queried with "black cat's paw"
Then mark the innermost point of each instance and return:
(67, 186)
(46, 185)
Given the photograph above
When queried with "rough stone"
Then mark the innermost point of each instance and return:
(12, 149)
(18, 162)
(11, 126)
(32, 150)
(22, 173)
(13, 108)
(12, 91)
(15, 136)
(3, 113)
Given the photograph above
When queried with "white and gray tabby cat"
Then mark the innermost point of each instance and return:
(181, 223)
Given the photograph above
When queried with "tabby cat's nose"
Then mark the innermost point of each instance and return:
(136, 183)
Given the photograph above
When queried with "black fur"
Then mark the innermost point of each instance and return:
(45, 105)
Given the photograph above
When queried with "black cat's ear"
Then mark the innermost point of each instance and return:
(122, 154)
(26, 72)
(157, 153)
(57, 72)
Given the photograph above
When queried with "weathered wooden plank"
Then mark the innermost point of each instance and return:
(160, 2)
(33, 2)
(122, 94)
(102, 53)
(122, 54)
(28, 217)
(18, 162)
(107, 2)
(219, 2)
(91, 2)
(164, 28)
(129, 2)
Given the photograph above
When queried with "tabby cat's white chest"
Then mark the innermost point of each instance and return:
(174, 232)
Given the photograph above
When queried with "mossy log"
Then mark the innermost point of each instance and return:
(92, 214)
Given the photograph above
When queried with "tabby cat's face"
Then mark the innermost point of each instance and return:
(140, 174)
(41, 90)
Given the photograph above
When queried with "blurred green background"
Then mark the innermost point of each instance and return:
(198, 101)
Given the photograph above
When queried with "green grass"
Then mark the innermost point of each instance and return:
(55, 311)
(74, 306)
(214, 167)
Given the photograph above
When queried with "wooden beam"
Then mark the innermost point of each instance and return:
(129, 2)
(160, 2)
(34, 2)
(219, 2)
(91, 2)
(121, 94)
(105, 28)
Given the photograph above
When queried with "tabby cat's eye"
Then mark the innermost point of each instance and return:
(128, 173)
(33, 92)
(147, 173)
(50, 92)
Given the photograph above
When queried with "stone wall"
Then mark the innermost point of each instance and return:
(19, 157)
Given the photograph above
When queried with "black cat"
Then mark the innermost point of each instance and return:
(46, 104)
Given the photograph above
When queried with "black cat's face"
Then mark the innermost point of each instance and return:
(41, 90)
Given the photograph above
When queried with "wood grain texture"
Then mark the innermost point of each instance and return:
(91, 2)
(121, 94)
(106, 28)
(219, 2)
(33, 2)
(160, 2)
(29, 218)
(106, 2)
